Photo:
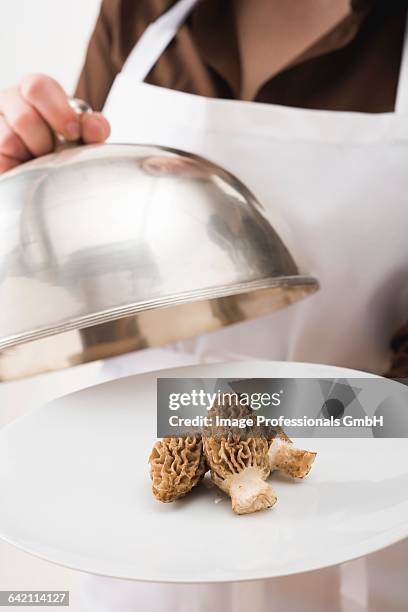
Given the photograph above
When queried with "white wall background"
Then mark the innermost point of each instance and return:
(48, 36)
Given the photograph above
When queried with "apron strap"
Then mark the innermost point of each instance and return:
(156, 38)
(401, 102)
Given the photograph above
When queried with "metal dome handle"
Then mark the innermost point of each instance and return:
(80, 107)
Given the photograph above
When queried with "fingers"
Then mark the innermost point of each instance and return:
(49, 99)
(26, 122)
(95, 128)
(32, 112)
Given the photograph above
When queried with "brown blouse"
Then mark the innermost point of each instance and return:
(354, 67)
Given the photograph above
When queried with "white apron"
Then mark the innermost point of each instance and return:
(334, 184)
(335, 187)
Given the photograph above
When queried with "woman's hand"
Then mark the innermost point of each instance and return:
(32, 111)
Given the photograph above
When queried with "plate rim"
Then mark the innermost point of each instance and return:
(345, 557)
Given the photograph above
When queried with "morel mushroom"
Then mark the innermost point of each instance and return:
(284, 456)
(240, 468)
(176, 466)
(238, 458)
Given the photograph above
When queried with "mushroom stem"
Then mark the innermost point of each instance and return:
(249, 492)
(293, 461)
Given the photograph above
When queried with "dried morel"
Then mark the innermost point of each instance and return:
(240, 468)
(176, 466)
(284, 456)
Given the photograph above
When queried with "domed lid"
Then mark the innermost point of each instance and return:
(110, 248)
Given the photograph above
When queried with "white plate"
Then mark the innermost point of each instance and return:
(75, 489)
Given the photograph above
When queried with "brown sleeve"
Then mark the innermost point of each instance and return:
(100, 67)
(399, 346)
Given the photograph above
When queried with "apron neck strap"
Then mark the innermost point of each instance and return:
(401, 102)
(156, 38)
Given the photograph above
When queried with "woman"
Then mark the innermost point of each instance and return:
(307, 102)
(338, 56)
